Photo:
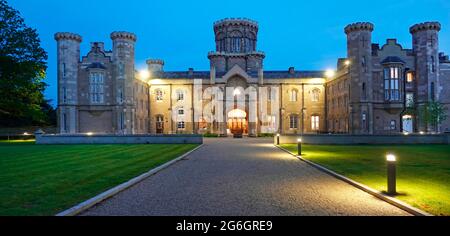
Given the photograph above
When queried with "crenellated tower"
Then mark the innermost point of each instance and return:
(68, 54)
(426, 49)
(236, 44)
(359, 54)
(123, 62)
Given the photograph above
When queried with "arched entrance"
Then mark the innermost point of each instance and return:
(237, 122)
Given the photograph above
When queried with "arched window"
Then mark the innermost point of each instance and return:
(315, 95)
(432, 96)
(293, 95)
(159, 95)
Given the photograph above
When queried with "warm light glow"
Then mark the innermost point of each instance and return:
(299, 140)
(347, 62)
(237, 113)
(421, 132)
(405, 133)
(330, 73)
(89, 133)
(144, 75)
(391, 158)
(26, 134)
(278, 135)
(236, 92)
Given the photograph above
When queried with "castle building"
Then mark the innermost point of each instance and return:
(375, 90)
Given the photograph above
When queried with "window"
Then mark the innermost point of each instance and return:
(64, 70)
(65, 122)
(409, 77)
(393, 125)
(432, 96)
(433, 64)
(96, 88)
(391, 83)
(159, 95)
(293, 95)
(409, 100)
(364, 91)
(181, 111)
(121, 70)
(122, 121)
(293, 121)
(64, 94)
(315, 122)
(181, 125)
(120, 97)
(180, 95)
(315, 95)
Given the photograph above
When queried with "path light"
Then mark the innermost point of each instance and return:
(278, 139)
(391, 173)
(299, 146)
(26, 134)
(89, 133)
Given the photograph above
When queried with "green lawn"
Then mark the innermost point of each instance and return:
(46, 179)
(423, 172)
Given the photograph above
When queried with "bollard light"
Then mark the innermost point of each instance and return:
(278, 139)
(391, 173)
(299, 146)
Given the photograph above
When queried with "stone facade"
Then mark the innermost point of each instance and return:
(376, 90)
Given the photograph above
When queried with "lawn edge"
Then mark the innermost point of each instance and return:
(393, 201)
(83, 206)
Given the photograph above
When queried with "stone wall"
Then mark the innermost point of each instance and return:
(365, 139)
(118, 139)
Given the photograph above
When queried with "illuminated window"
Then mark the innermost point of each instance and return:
(159, 95)
(96, 87)
(293, 121)
(315, 121)
(293, 95)
(409, 77)
(315, 95)
(393, 125)
(180, 95)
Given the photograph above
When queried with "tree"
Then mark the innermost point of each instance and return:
(22, 71)
(433, 114)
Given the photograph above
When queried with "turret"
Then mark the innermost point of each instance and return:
(123, 62)
(426, 49)
(359, 54)
(236, 44)
(155, 65)
(68, 53)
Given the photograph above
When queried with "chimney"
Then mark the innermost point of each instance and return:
(291, 70)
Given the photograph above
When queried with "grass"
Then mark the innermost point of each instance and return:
(423, 171)
(46, 179)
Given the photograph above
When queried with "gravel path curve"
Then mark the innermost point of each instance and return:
(242, 177)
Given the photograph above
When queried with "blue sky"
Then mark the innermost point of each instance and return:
(305, 34)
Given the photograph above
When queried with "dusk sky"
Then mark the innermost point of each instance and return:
(305, 34)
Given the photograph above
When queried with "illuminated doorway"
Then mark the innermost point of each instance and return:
(237, 122)
(407, 123)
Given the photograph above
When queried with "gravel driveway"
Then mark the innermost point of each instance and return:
(248, 177)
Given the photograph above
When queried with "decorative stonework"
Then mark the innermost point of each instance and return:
(68, 36)
(425, 26)
(359, 26)
(123, 35)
